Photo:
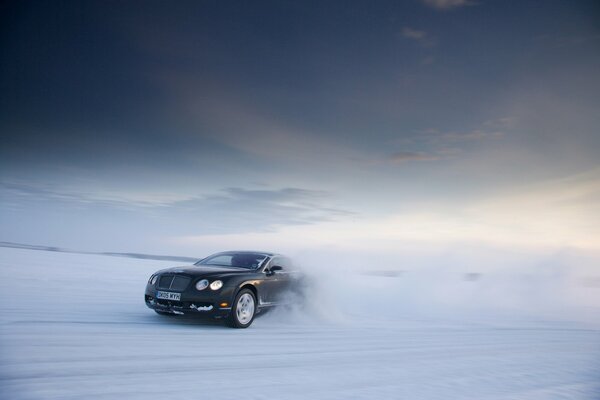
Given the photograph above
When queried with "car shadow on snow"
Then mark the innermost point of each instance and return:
(196, 320)
(187, 320)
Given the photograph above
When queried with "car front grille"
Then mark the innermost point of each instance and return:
(177, 304)
(174, 282)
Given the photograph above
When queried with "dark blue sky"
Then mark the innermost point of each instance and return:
(166, 121)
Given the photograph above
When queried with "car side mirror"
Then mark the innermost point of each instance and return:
(275, 268)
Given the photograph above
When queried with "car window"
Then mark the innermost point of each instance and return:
(237, 260)
(250, 261)
(224, 260)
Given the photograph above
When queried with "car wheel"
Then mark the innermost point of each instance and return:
(166, 314)
(244, 309)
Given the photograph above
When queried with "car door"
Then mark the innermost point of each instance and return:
(275, 283)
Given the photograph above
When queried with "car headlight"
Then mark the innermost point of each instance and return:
(202, 284)
(216, 285)
(153, 279)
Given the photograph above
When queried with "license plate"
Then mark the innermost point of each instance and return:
(168, 296)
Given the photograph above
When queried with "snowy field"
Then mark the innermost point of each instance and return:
(75, 326)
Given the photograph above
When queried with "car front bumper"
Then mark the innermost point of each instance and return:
(215, 304)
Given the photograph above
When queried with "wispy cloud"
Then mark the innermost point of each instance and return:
(477, 134)
(111, 198)
(487, 130)
(413, 33)
(546, 215)
(447, 4)
(407, 156)
(434, 144)
(230, 210)
(242, 210)
(418, 36)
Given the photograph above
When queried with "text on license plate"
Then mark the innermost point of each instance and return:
(168, 296)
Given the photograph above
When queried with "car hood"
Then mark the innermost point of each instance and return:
(202, 271)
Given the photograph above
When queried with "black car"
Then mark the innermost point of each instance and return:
(232, 285)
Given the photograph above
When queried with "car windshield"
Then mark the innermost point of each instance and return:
(234, 260)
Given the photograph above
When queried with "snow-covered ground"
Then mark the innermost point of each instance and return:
(75, 327)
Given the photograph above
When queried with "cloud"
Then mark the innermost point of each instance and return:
(552, 214)
(421, 37)
(435, 144)
(238, 209)
(476, 134)
(109, 198)
(229, 210)
(500, 123)
(413, 33)
(447, 4)
(487, 130)
(406, 156)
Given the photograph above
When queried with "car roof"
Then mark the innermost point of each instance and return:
(266, 253)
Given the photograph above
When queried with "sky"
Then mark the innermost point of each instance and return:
(182, 127)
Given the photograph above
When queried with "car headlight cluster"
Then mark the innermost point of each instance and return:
(153, 279)
(216, 285)
(203, 284)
